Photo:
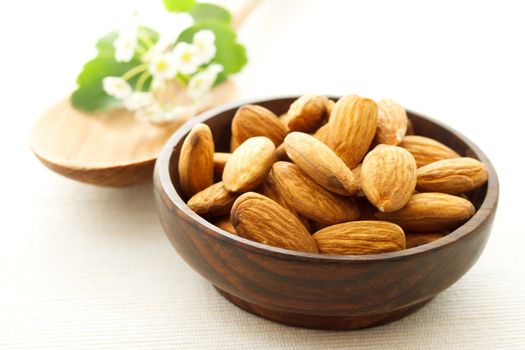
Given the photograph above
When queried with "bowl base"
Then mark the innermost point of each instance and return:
(322, 322)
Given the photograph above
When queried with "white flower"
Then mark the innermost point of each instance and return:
(169, 28)
(126, 43)
(215, 68)
(163, 66)
(116, 87)
(138, 100)
(152, 113)
(202, 82)
(186, 58)
(159, 48)
(165, 41)
(168, 24)
(158, 84)
(179, 112)
(204, 40)
(156, 114)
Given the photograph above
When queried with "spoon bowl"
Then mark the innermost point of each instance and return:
(110, 148)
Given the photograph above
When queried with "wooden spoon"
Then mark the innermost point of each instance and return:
(111, 148)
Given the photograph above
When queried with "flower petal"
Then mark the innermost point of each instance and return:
(116, 87)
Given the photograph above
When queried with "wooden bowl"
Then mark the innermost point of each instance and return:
(313, 290)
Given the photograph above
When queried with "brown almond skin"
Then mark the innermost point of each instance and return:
(329, 105)
(417, 239)
(253, 120)
(431, 212)
(260, 219)
(249, 164)
(451, 176)
(224, 223)
(359, 238)
(307, 113)
(388, 177)
(196, 160)
(359, 178)
(212, 201)
(351, 128)
(391, 122)
(283, 118)
(219, 161)
(322, 134)
(269, 189)
(426, 150)
(321, 163)
(311, 199)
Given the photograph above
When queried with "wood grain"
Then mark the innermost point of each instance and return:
(319, 291)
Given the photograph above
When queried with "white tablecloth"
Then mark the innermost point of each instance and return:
(90, 268)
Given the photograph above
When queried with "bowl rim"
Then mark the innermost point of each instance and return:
(163, 178)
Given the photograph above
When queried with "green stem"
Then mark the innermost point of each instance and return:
(146, 40)
(134, 71)
(141, 49)
(142, 79)
(183, 79)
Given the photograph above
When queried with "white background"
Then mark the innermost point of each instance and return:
(88, 267)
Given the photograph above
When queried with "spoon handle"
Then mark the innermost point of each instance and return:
(244, 11)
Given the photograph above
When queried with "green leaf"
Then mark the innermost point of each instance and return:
(105, 44)
(230, 53)
(179, 5)
(210, 12)
(90, 96)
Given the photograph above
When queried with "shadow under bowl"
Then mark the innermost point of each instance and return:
(313, 290)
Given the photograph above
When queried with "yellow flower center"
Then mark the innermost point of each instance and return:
(161, 65)
(186, 56)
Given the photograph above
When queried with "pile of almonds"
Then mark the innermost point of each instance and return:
(345, 177)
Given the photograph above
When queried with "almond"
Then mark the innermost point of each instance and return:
(224, 223)
(389, 177)
(417, 239)
(351, 128)
(260, 219)
(249, 164)
(452, 176)
(359, 179)
(360, 237)
(252, 120)
(219, 161)
(311, 199)
(391, 122)
(329, 105)
(196, 160)
(269, 189)
(234, 143)
(322, 134)
(212, 201)
(426, 150)
(321, 163)
(283, 118)
(431, 212)
(307, 113)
